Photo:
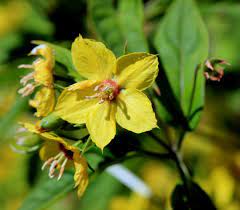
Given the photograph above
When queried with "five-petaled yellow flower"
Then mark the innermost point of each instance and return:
(44, 100)
(112, 93)
(59, 153)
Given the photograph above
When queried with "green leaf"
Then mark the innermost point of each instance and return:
(195, 199)
(101, 190)
(64, 57)
(47, 192)
(132, 12)
(105, 23)
(182, 42)
(112, 25)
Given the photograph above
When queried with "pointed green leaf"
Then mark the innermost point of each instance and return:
(112, 25)
(47, 191)
(104, 21)
(131, 21)
(182, 42)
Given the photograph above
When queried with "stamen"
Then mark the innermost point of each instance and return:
(25, 66)
(52, 169)
(107, 90)
(54, 162)
(26, 78)
(62, 169)
(46, 163)
(27, 90)
(97, 88)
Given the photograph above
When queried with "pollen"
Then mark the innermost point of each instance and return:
(108, 90)
(58, 162)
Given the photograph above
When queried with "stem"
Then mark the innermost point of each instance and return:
(155, 155)
(183, 171)
(185, 176)
(181, 138)
(174, 154)
(160, 141)
(193, 89)
(59, 86)
(77, 143)
(86, 145)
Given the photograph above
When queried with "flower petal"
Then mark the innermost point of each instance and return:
(72, 105)
(49, 149)
(134, 111)
(125, 60)
(137, 70)
(92, 59)
(44, 101)
(81, 175)
(101, 124)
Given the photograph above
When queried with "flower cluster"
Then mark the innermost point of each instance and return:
(111, 94)
(42, 76)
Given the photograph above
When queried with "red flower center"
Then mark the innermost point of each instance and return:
(68, 153)
(109, 87)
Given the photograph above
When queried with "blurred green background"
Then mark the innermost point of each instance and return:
(212, 151)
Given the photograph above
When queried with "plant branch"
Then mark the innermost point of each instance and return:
(180, 140)
(160, 141)
(193, 89)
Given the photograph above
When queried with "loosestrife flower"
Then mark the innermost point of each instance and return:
(42, 76)
(60, 154)
(112, 93)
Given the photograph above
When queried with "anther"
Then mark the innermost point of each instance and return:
(62, 169)
(25, 66)
(52, 169)
(27, 90)
(46, 163)
(26, 78)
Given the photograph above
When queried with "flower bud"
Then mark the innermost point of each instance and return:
(51, 122)
(214, 69)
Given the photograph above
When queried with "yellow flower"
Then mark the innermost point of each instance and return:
(112, 93)
(42, 75)
(60, 154)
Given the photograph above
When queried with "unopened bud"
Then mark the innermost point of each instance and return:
(214, 69)
(51, 122)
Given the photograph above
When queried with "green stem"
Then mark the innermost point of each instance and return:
(193, 89)
(180, 141)
(77, 143)
(160, 141)
(185, 176)
(86, 145)
(59, 86)
(174, 154)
